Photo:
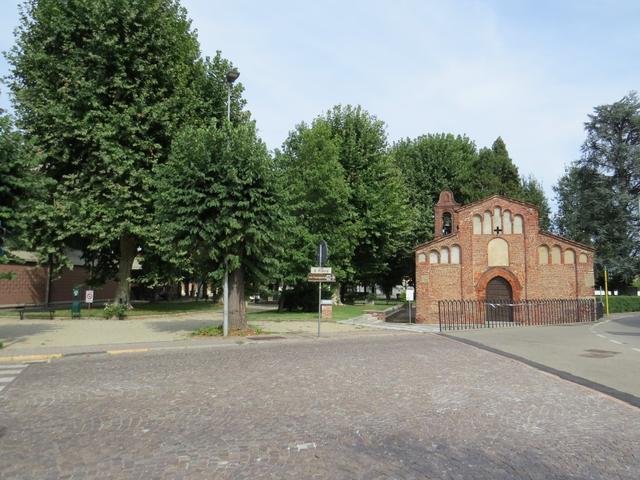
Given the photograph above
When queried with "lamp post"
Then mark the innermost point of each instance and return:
(232, 76)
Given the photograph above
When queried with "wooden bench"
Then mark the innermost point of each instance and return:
(24, 310)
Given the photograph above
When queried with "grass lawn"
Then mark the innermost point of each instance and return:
(340, 312)
(140, 309)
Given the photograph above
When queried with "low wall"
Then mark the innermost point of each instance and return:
(386, 313)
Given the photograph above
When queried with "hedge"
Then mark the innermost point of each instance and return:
(622, 303)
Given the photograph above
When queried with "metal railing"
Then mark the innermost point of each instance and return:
(471, 314)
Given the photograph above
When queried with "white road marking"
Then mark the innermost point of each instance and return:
(615, 341)
(10, 372)
(636, 349)
(1, 387)
(600, 335)
(12, 366)
(6, 379)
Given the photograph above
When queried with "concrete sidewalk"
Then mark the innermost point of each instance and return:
(580, 351)
(41, 339)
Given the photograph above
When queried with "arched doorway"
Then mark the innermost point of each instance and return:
(499, 298)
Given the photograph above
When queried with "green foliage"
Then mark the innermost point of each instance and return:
(531, 191)
(303, 297)
(623, 303)
(117, 310)
(344, 188)
(217, 202)
(599, 195)
(100, 89)
(493, 173)
(210, 331)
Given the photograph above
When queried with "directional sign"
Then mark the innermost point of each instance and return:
(325, 270)
(321, 277)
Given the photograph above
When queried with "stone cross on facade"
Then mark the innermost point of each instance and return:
(498, 230)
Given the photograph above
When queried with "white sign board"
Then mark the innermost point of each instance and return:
(323, 270)
(88, 296)
(410, 293)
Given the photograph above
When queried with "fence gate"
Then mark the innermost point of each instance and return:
(470, 314)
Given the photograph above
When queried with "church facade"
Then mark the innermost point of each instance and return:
(494, 249)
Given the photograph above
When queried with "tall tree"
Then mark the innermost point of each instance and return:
(531, 191)
(430, 164)
(218, 207)
(100, 89)
(494, 172)
(599, 196)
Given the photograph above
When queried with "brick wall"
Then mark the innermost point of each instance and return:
(468, 279)
(29, 287)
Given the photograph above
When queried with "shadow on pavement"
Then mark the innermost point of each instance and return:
(11, 334)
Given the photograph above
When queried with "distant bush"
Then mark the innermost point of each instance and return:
(623, 303)
(117, 310)
(304, 297)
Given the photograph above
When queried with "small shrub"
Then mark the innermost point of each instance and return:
(117, 310)
(1, 345)
(210, 331)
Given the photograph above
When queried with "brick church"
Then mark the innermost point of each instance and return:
(493, 249)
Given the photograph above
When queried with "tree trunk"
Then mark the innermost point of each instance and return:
(335, 295)
(237, 310)
(128, 250)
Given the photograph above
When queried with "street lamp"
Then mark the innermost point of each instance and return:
(232, 76)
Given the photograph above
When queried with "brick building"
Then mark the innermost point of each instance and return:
(494, 249)
(33, 284)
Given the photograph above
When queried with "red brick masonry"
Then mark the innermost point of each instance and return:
(460, 264)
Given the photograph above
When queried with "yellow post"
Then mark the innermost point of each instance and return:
(606, 291)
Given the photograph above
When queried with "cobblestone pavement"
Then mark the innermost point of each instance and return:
(386, 406)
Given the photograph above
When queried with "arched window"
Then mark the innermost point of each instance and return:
(422, 258)
(455, 254)
(477, 224)
(583, 258)
(569, 257)
(543, 255)
(434, 258)
(556, 255)
(518, 225)
(486, 223)
(447, 226)
(497, 219)
(444, 255)
(498, 253)
(506, 222)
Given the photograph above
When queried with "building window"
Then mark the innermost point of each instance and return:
(421, 258)
(518, 225)
(569, 257)
(506, 222)
(556, 255)
(444, 255)
(455, 254)
(486, 223)
(447, 225)
(498, 253)
(583, 258)
(543, 255)
(434, 258)
(497, 219)
(477, 224)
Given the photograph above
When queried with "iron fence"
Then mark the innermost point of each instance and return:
(470, 314)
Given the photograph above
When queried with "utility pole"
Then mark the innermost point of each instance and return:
(232, 76)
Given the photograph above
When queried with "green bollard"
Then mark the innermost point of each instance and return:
(75, 304)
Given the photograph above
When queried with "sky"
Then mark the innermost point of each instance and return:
(528, 71)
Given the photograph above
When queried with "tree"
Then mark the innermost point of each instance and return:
(494, 173)
(598, 197)
(531, 191)
(432, 163)
(317, 196)
(100, 89)
(218, 205)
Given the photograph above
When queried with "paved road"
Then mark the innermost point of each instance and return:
(372, 407)
(604, 353)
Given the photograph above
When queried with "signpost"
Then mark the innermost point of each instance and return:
(410, 295)
(321, 274)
